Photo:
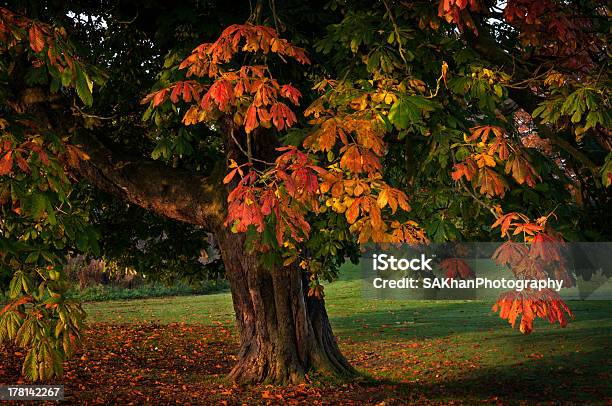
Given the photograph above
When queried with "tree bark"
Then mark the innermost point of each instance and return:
(283, 332)
(154, 186)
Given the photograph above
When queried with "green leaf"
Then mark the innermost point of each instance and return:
(26, 283)
(30, 365)
(499, 91)
(15, 285)
(51, 213)
(539, 110)
(84, 86)
(32, 257)
(426, 105)
(147, 114)
(66, 77)
(402, 113)
(59, 328)
(408, 109)
(37, 205)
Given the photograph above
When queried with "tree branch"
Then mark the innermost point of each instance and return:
(170, 192)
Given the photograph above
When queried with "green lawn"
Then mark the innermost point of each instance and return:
(444, 349)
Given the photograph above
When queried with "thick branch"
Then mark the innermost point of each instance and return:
(567, 147)
(170, 192)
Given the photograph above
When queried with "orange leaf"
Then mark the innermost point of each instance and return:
(491, 183)
(250, 122)
(6, 163)
(192, 116)
(176, 92)
(527, 228)
(505, 221)
(500, 145)
(37, 40)
(483, 132)
(353, 212)
(159, 97)
(402, 199)
(382, 199)
(324, 137)
(522, 170)
(467, 169)
(228, 178)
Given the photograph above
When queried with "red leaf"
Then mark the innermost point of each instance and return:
(510, 253)
(37, 40)
(282, 116)
(176, 92)
(23, 165)
(6, 163)
(455, 267)
(268, 202)
(546, 248)
(291, 93)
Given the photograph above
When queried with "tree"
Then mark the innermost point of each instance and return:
(346, 123)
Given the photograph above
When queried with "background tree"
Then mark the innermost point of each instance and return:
(292, 132)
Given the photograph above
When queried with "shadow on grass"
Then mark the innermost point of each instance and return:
(444, 319)
(557, 379)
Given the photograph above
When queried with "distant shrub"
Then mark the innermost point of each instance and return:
(96, 293)
(97, 280)
(99, 272)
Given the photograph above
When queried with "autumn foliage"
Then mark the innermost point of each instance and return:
(37, 174)
(248, 93)
(393, 123)
(526, 307)
(282, 195)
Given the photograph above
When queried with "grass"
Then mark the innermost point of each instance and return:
(445, 349)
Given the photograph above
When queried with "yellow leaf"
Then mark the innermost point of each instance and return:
(382, 199)
(484, 160)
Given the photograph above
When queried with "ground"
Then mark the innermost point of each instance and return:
(179, 350)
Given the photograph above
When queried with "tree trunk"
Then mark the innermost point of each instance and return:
(283, 332)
